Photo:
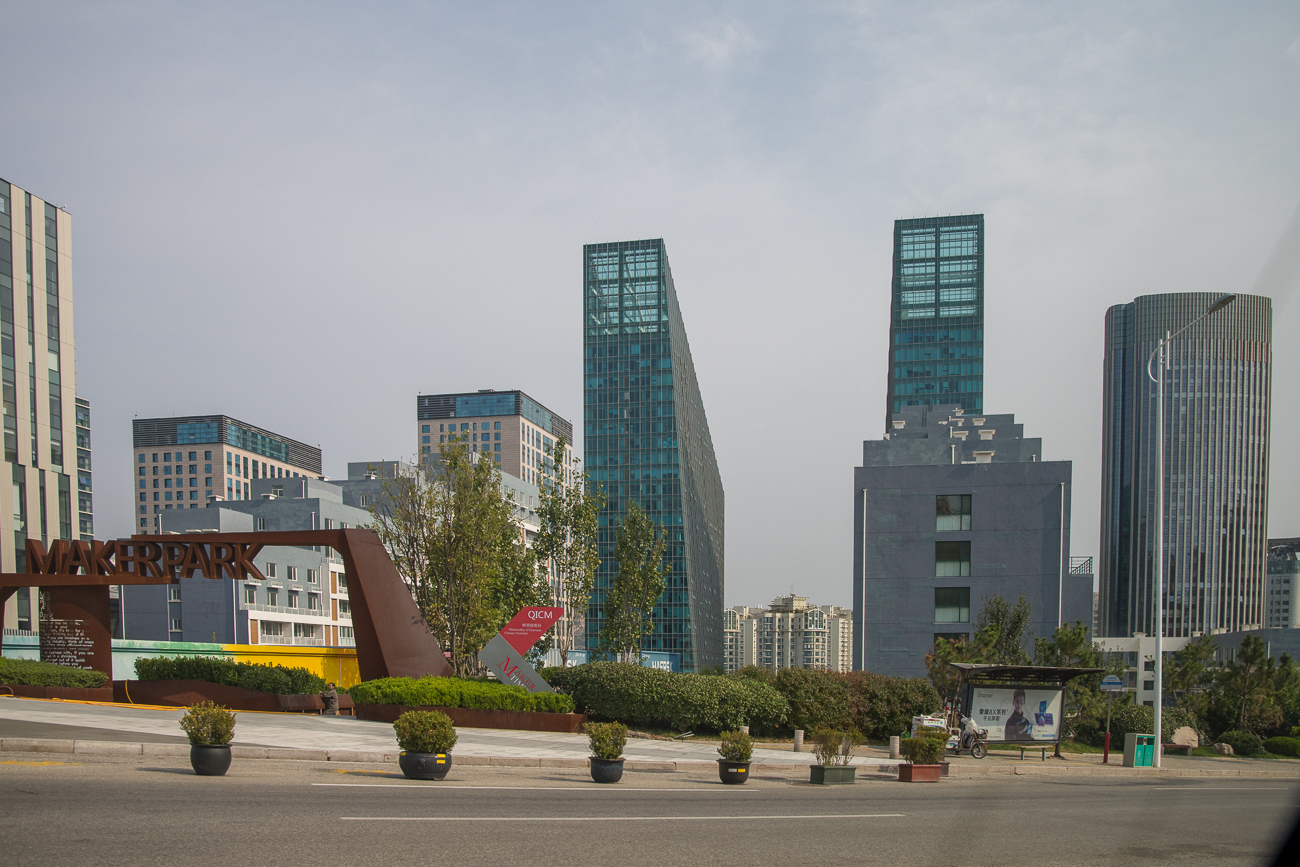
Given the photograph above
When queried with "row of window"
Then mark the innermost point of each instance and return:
(180, 483)
(180, 469)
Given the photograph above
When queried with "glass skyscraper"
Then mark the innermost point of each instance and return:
(646, 440)
(1216, 466)
(936, 330)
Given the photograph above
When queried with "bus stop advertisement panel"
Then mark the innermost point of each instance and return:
(1016, 714)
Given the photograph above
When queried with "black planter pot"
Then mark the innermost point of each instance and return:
(424, 766)
(606, 770)
(833, 775)
(733, 773)
(210, 761)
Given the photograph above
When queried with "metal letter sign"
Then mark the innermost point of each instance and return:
(504, 654)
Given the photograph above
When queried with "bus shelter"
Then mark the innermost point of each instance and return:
(1016, 704)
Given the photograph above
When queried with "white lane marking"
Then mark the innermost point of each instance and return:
(613, 818)
(513, 788)
(1215, 789)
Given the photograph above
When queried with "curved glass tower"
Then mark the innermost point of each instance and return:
(1216, 465)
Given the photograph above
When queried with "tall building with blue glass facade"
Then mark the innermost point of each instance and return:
(646, 440)
(1217, 390)
(936, 332)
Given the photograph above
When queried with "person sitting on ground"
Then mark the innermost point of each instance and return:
(331, 698)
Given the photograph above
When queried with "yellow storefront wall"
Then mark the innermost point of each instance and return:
(336, 664)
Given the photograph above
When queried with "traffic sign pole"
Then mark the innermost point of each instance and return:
(1110, 684)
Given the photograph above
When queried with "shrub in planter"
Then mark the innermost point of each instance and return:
(426, 737)
(1243, 743)
(736, 747)
(262, 677)
(210, 728)
(266, 678)
(607, 741)
(922, 750)
(29, 672)
(1283, 746)
(454, 692)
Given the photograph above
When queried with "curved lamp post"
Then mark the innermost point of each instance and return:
(1158, 377)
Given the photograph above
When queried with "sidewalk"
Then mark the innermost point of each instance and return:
(38, 725)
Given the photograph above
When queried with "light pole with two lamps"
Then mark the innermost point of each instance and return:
(1163, 351)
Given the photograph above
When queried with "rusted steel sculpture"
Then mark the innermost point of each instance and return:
(392, 637)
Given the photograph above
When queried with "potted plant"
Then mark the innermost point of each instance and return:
(923, 754)
(942, 735)
(426, 738)
(735, 750)
(210, 728)
(607, 741)
(834, 751)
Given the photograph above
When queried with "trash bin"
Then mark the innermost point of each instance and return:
(1139, 750)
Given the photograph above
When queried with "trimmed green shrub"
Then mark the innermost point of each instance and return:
(640, 696)
(607, 740)
(817, 699)
(1243, 743)
(453, 692)
(1142, 720)
(29, 672)
(932, 732)
(882, 706)
(1282, 746)
(922, 750)
(425, 731)
(736, 747)
(208, 724)
(278, 679)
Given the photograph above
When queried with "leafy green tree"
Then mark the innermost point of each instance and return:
(1248, 685)
(1189, 672)
(1000, 633)
(568, 507)
(642, 575)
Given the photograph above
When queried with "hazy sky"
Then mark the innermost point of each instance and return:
(302, 215)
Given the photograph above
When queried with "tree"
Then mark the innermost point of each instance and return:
(1070, 647)
(1190, 670)
(568, 508)
(1001, 630)
(642, 575)
(452, 535)
(1247, 683)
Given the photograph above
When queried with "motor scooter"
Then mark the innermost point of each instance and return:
(973, 739)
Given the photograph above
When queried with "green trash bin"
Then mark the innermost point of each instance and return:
(1139, 750)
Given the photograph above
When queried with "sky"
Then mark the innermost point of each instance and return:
(304, 214)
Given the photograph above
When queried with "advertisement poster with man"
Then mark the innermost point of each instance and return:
(1013, 714)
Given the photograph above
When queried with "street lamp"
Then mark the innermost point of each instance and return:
(1162, 349)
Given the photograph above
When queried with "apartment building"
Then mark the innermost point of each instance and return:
(304, 600)
(789, 633)
(39, 374)
(182, 463)
(517, 431)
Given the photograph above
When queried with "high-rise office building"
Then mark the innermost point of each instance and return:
(646, 440)
(39, 384)
(936, 330)
(1215, 477)
(509, 425)
(185, 462)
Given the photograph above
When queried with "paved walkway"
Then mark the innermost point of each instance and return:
(39, 718)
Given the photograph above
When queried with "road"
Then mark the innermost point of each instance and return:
(145, 811)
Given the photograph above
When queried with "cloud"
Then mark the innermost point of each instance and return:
(720, 43)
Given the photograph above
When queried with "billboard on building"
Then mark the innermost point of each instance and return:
(1014, 714)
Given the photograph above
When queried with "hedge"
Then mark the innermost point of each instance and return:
(649, 697)
(1141, 719)
(1243, 743)
(29, 672)
(277, 679)
(452, 692)
(1283, 746)
(883, 706)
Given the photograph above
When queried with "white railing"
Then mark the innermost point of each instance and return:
(291, 640)
(284, 609)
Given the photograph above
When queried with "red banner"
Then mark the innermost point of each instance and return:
(529, 625)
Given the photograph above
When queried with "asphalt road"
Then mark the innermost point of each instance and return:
(145, 811)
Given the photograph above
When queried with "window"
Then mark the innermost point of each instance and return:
(464, 427)
(272, 596)
(951, 559)
(313, 576)
(176, 624)
(441, 428)
(293, 598)
(497, 437)
(1149, 685)
(142, 471)
(424, 439)
(167, 457)
(271, 627)
(343, 581)
(1149, 665)
(142, 459)
(173, 594)
(207, 482)
(207, 456)
(155, 458)
(155, 472)
(261, 525)
(250, 595)
(345, 607)
(313, 602)
(269, 571)
(424, 428)
(496, 425)
(952, 605)
(952, 512)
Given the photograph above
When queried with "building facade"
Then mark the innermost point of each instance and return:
(516, 430)
(1283, 578)
(789, 633)
(952, 507)
(646, 440)
(182, 463)
(1215, 477)
(304, 600)
(936, 331)
(39, 365)
(85, 486)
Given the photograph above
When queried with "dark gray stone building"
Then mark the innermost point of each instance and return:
(951, 507)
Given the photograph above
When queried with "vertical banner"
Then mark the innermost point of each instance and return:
(504, 654)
